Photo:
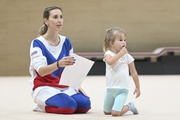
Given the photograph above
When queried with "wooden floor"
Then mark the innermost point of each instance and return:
(160, 100)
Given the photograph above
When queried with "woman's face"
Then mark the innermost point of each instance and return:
(55, 21)
(119, 43)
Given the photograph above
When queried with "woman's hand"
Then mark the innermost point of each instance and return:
(66, 61)
(82, 91)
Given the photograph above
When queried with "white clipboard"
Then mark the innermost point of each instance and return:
(75, 74)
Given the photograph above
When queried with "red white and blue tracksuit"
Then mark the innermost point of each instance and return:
(49, 96)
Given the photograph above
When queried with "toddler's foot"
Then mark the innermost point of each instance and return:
(132, 108)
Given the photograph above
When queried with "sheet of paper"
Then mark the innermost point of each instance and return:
(75, 74)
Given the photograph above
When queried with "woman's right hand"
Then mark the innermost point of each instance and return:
(66, 61)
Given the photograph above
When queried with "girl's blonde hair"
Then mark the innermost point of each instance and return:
(110, 36)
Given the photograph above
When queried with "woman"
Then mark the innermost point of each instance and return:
(50, 53)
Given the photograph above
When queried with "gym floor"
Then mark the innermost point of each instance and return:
(159, 99)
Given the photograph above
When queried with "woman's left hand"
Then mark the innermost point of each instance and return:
(82, 91)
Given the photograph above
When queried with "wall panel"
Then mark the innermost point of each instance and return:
(149, 24)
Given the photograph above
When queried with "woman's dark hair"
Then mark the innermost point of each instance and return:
(46, 14)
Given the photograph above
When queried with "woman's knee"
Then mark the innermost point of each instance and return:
(82, 101)
(61, 100)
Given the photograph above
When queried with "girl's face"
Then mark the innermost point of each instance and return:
(119, 43)
(55, 21)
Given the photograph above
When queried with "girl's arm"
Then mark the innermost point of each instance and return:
(113, 59)
(135, 77)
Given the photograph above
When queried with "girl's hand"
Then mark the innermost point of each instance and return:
(137, 92)
(124, 50)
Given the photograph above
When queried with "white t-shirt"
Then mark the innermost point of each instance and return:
(117, 75)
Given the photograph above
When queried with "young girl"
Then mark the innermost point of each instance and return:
(50, 53)
(118, 63)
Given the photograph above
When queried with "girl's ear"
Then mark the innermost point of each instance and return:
(111, 43)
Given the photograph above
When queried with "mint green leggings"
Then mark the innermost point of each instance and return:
(115, 99)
